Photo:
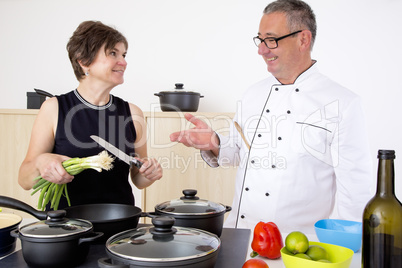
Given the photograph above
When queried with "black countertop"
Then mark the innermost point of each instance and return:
(234, 246)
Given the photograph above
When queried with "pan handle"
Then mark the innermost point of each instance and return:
(107, 263)
(92, 237)
(9, 202)
(43, 93)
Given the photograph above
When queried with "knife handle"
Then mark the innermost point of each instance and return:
(136, 163)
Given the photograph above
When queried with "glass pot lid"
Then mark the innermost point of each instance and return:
(56, 226)
(190, 204)
(163, 242)
(179, 89)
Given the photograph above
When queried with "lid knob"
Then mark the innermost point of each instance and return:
(56, 217)
(163, 225)
(179, 86)
(189, 194)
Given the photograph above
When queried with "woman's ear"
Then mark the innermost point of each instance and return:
(305, 40)
(84, 68)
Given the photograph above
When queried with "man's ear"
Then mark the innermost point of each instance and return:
(305, 40)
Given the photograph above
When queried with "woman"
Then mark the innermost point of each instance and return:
(65, 123)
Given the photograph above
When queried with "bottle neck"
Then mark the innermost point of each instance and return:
(385, 178)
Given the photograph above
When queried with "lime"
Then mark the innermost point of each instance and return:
(296, 242)
(316, 252)
(303, 256)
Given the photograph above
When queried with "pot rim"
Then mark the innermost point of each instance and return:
(181, 92)
(42, 230)
(191, 199)
(9, 216)
(147, 231)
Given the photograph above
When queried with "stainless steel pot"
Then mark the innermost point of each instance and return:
(179, 100)
(162, 245)
(57, 241)
(191, 211)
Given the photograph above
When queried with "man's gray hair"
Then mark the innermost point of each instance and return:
(299, 15)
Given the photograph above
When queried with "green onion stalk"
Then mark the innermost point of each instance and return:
(52, 192)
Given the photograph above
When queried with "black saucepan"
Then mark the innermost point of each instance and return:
(57, 241)
(191, 211)
(8, 222)
(106, 218)
(179, 100)
(162, 245)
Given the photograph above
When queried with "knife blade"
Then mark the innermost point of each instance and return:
(117, 152)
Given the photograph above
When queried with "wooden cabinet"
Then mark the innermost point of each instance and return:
(16, 126)
(183, 167)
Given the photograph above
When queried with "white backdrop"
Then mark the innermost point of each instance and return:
(207, 45)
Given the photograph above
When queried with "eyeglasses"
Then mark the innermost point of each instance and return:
(272, 42)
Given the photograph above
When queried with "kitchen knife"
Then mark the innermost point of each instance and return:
(116, 152)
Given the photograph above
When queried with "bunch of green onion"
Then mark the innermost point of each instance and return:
(52, 192)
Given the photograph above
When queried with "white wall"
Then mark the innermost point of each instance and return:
(207, 45)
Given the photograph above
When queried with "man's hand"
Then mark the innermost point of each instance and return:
(200, 137)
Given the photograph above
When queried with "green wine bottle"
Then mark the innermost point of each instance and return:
(382, 220)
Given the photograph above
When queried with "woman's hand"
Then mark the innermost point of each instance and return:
(151, 169)
(51, 169)
(149, 172)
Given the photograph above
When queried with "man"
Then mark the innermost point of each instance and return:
(308, 144)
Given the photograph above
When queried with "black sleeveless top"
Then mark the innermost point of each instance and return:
(77, 121)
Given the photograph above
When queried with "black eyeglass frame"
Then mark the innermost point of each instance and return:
(274, 39)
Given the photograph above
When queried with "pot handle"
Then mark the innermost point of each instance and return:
(9, 202)
(201, 96)
(150, 215)
(228, 208)
(158, 94)
(15, 233)
(106, 263)
(93, 237)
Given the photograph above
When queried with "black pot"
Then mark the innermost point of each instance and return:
(8, 222)
(163, 245)
(109, 219)
(179, 100)
(191, 211)
(56, 242)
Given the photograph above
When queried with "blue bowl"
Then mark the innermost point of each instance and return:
(340, 232)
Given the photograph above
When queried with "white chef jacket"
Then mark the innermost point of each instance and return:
(309, 147)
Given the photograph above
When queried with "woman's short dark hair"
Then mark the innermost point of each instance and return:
(87, 40)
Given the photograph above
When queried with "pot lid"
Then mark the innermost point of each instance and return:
(179, 89)
(56, 226)
(190, 204)
(163, 242)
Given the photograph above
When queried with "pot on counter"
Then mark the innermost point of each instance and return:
(179, 100)
(106, 218)
(8, 222)
(57, 241)
(191, 211)
(163, 245)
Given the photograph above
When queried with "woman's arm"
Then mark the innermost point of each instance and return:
(39, 160)
(151, 170)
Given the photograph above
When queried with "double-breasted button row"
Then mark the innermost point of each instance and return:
(248, 189)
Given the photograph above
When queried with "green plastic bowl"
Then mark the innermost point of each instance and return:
(340, 257)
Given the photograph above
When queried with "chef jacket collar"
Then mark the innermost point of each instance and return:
(313, 68)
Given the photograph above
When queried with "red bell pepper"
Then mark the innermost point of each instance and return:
(267, 241)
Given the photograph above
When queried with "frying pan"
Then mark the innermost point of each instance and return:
(106, 218)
